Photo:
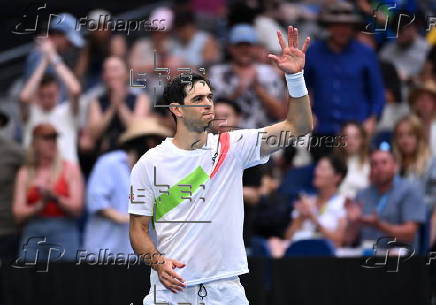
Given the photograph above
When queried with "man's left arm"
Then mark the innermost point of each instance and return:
(298, 120)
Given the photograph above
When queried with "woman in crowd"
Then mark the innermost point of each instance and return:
(415, 160)
(354, 150)
(47, 199)
(422, 102)
(110, 113)
(322, 215)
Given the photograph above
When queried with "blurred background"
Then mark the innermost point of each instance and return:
(80, 88)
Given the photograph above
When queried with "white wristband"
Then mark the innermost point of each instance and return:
(296, 84)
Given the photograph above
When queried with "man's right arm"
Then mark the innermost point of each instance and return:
(141, 212)
(143, 245)
(141, 241)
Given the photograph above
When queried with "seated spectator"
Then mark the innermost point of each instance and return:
(390, 206)
(408, 51)
(40, 101)
(343, 76)
(155, 50)
(101, 42)
(111, 112)
(415, 160)
(47, 198)
(323, 215)
(257, 89)
(195, 47)
(354, 150)
(108, 188)
(12, 156)
(272, 212)
(422, 102)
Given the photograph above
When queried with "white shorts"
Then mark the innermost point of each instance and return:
(228, 291)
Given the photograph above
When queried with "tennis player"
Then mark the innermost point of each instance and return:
(189, 188)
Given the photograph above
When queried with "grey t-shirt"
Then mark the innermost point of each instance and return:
(402, 203)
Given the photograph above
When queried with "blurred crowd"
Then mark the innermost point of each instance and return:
(87, 111)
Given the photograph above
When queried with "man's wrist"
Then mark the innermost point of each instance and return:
(296, 84)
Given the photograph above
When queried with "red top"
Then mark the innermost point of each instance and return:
(51, 209)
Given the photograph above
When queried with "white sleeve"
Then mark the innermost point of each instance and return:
(246, 146)
(141, 198)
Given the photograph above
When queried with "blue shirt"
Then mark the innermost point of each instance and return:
(346, 86)
(108, 187)
(404, 202)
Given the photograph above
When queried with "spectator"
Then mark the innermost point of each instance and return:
(11, 160)
(390, 206)
(195, 47)
(408, 52)
(108, 188)
(63, 36)
(40, 101)
(394, 108)
(111, 112)
(47, 198)
(272, 212)
(257, 89)
(322, 215)
(428, 72)
(354, 150)
(422, 102)
(100, 43)
(343, 75)
(415, 160)
(155, 51)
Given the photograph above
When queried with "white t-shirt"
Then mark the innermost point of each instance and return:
(213, 249)
(63, 119)
(357, 177)
(328, 217)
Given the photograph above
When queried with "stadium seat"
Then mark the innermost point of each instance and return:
(259, 247)
(311, 247)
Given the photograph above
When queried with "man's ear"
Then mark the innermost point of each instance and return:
(177, 111)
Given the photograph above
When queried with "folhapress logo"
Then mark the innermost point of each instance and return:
(388, 254)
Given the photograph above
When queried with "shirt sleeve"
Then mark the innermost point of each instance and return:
(141, 198)
(246, 145)
(99, 187)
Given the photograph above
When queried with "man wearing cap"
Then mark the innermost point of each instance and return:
(390, 206)
(63, 34)
(343, 75)
(256, 88)
(108, 188)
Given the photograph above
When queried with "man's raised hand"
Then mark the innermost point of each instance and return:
(292, 59)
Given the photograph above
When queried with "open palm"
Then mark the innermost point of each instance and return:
(292, 59)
